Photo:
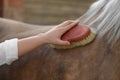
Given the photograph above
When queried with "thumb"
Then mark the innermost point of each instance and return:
(64, 43)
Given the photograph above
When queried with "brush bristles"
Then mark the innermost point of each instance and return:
(83, 42)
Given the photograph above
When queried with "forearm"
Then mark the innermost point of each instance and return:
(27, 44)
(24, 45)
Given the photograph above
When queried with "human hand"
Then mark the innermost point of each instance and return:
(53, 36)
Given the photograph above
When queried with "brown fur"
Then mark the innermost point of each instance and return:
(95, 61)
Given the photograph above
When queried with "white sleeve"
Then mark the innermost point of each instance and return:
(8, 51)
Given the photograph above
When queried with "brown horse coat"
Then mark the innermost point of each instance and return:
(96, 61)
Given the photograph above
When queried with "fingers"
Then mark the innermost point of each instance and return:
(72, 25)
(69, 26)
(59, 30)
(66, 23)
(61, 42)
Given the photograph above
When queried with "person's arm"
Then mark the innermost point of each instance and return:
(53, 36)
(8, 51)
(11, 49)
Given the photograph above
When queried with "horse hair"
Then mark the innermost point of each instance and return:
(104, 17)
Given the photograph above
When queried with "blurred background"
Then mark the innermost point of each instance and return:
(43, 12)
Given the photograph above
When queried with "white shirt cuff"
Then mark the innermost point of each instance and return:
(2, 54)
(11, 50)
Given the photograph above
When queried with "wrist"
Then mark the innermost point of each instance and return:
(42, 37)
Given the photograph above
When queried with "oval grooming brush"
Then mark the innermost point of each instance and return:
(78, 32)
(79, 35)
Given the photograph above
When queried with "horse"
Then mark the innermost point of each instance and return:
(99, 60)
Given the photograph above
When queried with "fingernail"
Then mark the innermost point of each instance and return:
(76, 21)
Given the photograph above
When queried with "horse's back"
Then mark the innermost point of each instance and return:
(95, 61)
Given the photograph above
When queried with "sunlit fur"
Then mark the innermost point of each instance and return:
(104, 17)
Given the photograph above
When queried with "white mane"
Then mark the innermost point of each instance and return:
(104, 17)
